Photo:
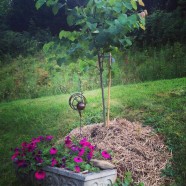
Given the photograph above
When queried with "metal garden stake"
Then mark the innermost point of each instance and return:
(78, 102)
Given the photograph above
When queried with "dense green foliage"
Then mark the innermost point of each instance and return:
(164, 27)
(52, 71)
(159, 104)
(103, 24)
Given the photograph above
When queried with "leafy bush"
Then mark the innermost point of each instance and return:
(128, 181)
(163, 27)
(156, 63)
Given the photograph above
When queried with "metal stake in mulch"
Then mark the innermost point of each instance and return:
(78, 102)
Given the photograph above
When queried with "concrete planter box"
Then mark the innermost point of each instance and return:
(61, 177)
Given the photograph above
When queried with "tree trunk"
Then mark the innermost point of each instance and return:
(100, 63)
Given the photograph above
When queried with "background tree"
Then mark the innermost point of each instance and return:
(165, 26)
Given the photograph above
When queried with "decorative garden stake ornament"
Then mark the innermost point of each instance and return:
(78, 102)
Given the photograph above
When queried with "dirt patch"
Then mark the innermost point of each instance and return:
(136, 148)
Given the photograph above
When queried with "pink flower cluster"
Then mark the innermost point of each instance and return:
(84, 151)
(32, 151)
(71, 153)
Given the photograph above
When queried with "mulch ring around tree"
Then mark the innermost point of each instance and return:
(135, 148)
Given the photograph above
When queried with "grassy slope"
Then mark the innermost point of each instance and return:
(158, 103)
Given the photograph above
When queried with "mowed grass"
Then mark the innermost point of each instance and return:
(160, 104)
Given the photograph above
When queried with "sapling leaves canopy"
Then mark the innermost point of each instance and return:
(104, 24)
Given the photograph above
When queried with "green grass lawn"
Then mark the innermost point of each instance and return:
(160, 104)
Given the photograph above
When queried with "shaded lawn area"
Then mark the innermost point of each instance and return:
(160, 104)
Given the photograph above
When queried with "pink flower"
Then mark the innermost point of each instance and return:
(36, 140)
(15, 155)
(91, 147)
(68, 142)
(24, 145)
(49, 138)
(41, 138)
(40, 175)
(63, 165)
(78, 159)
(21, 163)
(74, 148)
(77, 168)
(105, 154)
(81, 151)
(53, 151)
(39, 159)
(85, 143)
(54, 162)
(16, 149)
(63, 159)
(31, 147)
(90, 155)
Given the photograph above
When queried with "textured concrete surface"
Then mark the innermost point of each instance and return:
(61, 177)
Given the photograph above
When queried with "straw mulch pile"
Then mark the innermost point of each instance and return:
(136, 148)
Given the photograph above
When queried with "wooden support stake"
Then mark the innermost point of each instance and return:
(109, 85)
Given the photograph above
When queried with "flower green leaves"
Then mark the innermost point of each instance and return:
(40, 152)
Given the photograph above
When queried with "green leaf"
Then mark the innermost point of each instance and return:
(134, 4)
(142, 26)
(141, 184)
(70, 20)
(87, 167)
(132, 19)
(128, 41)
(122, 19)
(92, 27)
(113, 30)
(90, 3)
(99, 4)
(112, 2)
(40, 3)
(117, 7)
(127, 5)
(141, 3)
(69, 35)
(55, 9)
(48, 46)
(128, 178)
(51, 2)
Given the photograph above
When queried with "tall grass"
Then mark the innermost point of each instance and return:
(52, 72)
(165, 62)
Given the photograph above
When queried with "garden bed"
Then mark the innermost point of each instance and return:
(136, 148)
